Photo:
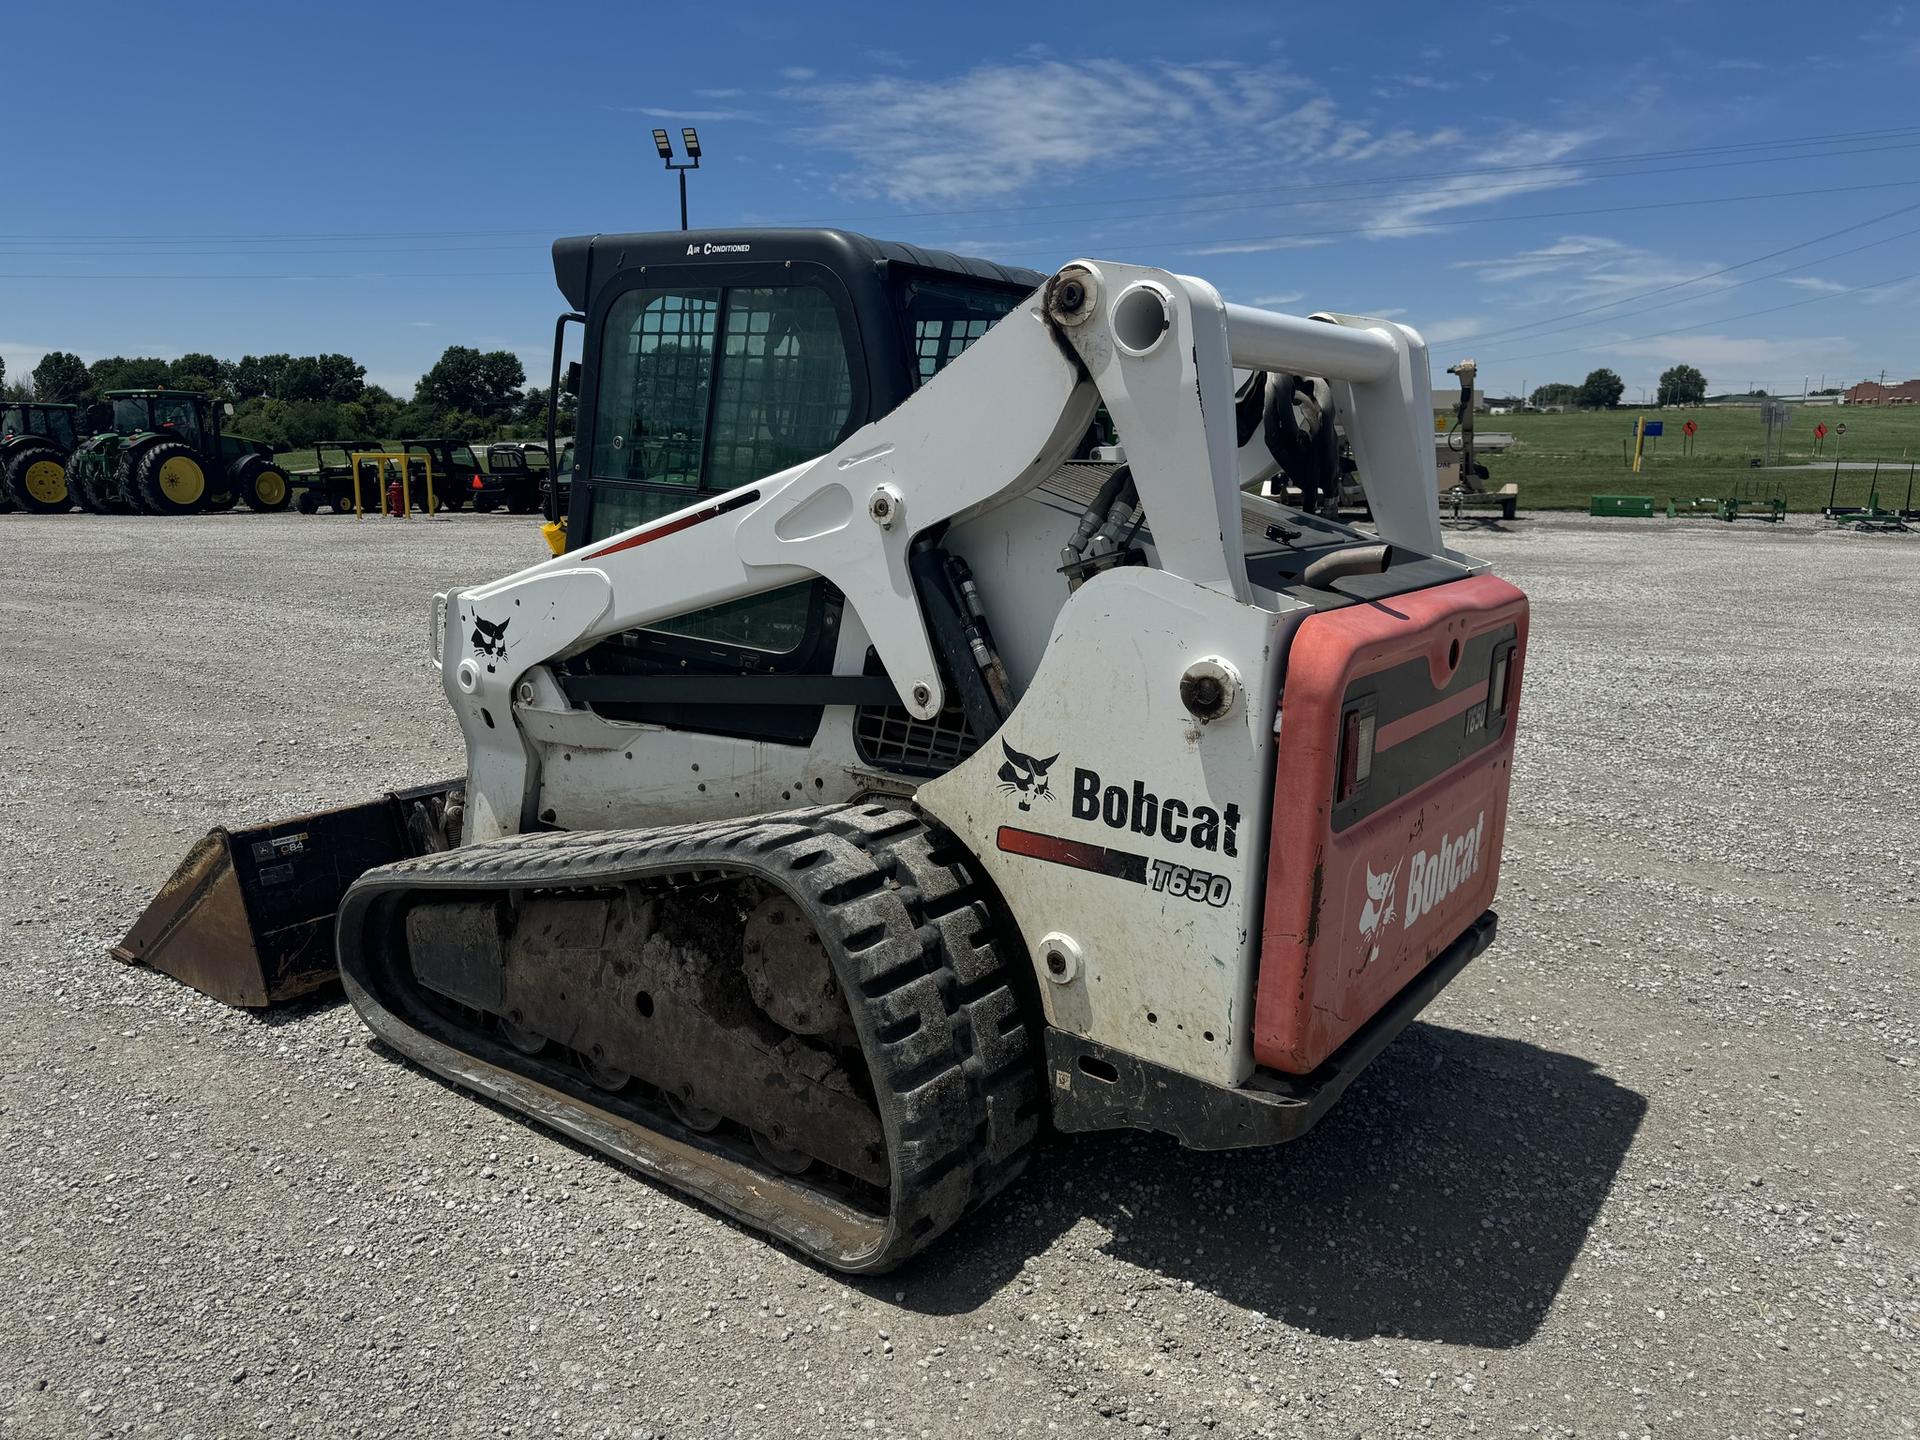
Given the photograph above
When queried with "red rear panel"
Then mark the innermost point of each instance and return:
(1390, 806)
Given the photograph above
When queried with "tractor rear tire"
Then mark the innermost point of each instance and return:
(171, 479)
(263, 485)
(36, 481)
(81, 490)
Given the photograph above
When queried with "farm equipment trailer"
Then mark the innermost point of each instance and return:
(872, 782)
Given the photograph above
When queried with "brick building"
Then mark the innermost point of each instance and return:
(1869, 392)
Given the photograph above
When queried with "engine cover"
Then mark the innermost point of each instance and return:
(1389, 806)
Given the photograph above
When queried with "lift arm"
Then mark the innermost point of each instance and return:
(1157, 349)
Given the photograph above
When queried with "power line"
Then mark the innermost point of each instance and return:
(1206, 245)
(1717, 320)
(7, 254)
(1716, 294)
(316, 275)
(1424, 178)
(274, 235)
(1898, 132)
(1483, 195)
(1221, 244)
(1715, 274)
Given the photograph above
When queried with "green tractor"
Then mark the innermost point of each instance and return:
(165, 455)
(35, 441)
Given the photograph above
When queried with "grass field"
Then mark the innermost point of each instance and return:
(1558, 461)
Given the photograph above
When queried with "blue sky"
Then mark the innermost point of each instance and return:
(1546, 188)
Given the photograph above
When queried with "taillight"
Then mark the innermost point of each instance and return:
(1356, 751)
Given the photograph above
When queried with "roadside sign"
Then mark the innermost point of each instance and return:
(1690, 427)
(1820, 431)
(1841, 428)
(1655, 427)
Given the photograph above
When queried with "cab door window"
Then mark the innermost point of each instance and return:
(705, 390)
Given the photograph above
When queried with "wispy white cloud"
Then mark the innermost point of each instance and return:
(1259, 247)
(1448, 332)
(1583, 269)
(685, 117)
(1537, 150)
(1815, 284)
(999, 128)
(733, 93)
(1285, 298)
(1731, 359)
(797, 72)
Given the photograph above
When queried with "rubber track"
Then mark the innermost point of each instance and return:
(954, 1062)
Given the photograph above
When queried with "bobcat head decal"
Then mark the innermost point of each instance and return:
(1025, 776)
(489, 638)
(1377, 913)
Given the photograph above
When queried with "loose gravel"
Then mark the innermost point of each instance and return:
(1647, 1169)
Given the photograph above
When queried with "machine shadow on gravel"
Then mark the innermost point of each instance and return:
(1446, 1198)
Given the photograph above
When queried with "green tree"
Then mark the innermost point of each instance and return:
(530, 415)
(261, 418)
(336, 379)
(119, 372)
(1601, 390)
(254, 376)
(204, 373)
(1682, 385)
(61, 378)
(379, 412)
(1558, 393)
(484, 384)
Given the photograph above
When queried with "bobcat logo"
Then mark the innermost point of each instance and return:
(489, 638)
(1025, 776)
(1377, 914)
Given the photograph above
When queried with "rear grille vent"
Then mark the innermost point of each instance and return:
(889, 736)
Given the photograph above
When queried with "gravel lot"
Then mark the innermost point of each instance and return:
(1649, 1168)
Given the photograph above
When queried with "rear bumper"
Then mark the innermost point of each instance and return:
(1098, 1088)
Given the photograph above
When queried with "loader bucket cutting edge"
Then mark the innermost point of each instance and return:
(247, 916)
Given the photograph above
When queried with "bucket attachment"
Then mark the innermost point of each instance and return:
(248, 916)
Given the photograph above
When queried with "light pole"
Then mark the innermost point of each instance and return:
(691, 139)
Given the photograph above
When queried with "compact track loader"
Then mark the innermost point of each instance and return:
(878, 778)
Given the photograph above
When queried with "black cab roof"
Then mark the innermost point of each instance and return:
(575, 257)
